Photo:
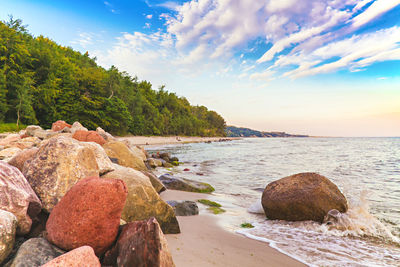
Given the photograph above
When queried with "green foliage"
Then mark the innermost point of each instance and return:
(247, 225)
(216, 210)
(209, 203)
(41, 82)
(11, 127)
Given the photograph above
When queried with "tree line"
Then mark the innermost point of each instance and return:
(42, 82)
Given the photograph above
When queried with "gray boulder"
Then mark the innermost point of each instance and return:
(183, 184)
(184, 208)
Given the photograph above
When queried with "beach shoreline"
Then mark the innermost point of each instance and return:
(203, 242)
(170, 140)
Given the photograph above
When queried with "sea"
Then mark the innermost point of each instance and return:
(366, 170)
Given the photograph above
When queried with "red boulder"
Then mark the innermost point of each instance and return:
(83, 256)
(89, 136)
(88, 214)
(59, 125)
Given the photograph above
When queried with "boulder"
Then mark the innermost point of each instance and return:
(44, 134)
(82, 256)
(17, 196)
(126, 157)
(183, 184)
(30, 130)
(59, 125)
(19, 159)
(155, 182)
(8, 226)
(27, 142)
(143, 202)
(89, 136)
(89, 214)
(104, 134)
(8, 153)
(11, 138)
(35, 252)
(302, 197)
(60, 163)
(140, 244)
(76, 126)
(152, 163)
(184, 208)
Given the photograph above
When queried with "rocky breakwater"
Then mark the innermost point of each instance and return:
(302, 197)
(71, 187)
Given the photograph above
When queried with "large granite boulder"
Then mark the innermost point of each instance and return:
(89, 214)
(19, 159)
(60, 163)
(59, 126)
(140, 244)
(17, 196)
(8, 153)
(82, 256)
(143, 202)
(35, 252)
(8, 226)
(184, 208)
(157, 184)
(183, 184)
(9, 139)
(302, 197)
(76, 126)
(30, 130)
(125, 156)
(104, 134)
(89, 136)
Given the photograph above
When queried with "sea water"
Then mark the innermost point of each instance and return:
(366, 170)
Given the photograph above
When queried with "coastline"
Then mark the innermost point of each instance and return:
(168, 140)
(202, 242)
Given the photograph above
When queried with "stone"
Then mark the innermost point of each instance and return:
(184, 208)
(17, 196)
(166, 164)
(82, 256)
(11, 138)
(44, 134)
(104, 134)
(76, 126)
(302, 197)
(155, 182)
(140, 244)
(88, 214)
(8, 226)
(174, 159)
(143, 202)
(152, 163)
(59, 125)
(27, 142)
(103, 161)
(19, 159)
(59, 164)
(183, 184)
(125, 156)
(88, 136)
(8, 153)
(35, 252)
(30, 130)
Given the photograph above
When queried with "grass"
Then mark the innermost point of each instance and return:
(11, 127)
(247, 225)
(213, 206)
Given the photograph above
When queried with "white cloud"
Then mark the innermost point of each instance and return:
(150, 16)
(376, 9)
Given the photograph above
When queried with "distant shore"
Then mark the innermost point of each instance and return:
(203, 242)
(167, 140)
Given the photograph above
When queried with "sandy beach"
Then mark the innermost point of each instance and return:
(202, 242)
(166, 140)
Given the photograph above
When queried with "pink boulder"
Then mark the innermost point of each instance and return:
(89, 136)
(88, 214)
(59, 125)
(83, 256)
(21, 157)
(17, 197)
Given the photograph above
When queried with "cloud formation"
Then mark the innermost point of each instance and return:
(275, 38)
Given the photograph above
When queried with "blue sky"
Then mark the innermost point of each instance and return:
(316, 67)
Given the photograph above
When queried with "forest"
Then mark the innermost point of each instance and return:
(42, 82)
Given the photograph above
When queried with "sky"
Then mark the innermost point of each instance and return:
(317, 67)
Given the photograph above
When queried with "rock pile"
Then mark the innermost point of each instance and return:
(63, 193)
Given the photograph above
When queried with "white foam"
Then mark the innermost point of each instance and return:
(256, 208)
